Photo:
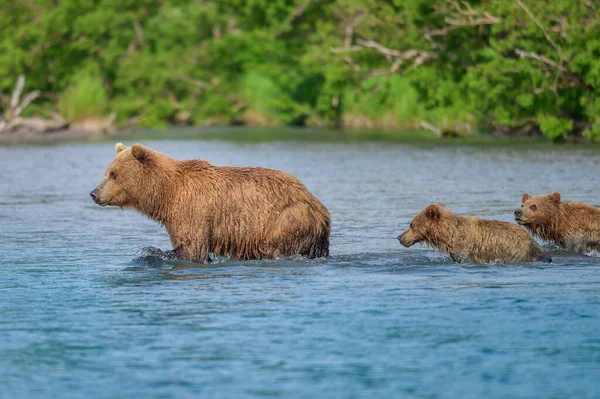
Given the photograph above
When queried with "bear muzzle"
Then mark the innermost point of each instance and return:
(404, 241)
(518, 216)
(94, 195)
(518, 213)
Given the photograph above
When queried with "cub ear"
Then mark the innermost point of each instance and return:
(120, 147)
(141, 153)
(525, 197)
(554, 197)
(433, 212)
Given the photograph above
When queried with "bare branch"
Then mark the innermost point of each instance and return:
(336, 50)
(554, 65)
(548, 37)
(396, 65)
(139, 32)
(541, 58)
(559, 66)
(396, 57)
(350, 61)
(430, 127)
(423, 57)
(379, 72)
(460, 16)
(173, 100)
(293, 17)
(349, 29)
(298, 11)
(589, 4)
(25, 102)
(561, 28)
(377, 46)
(420, 56)
(16, 95)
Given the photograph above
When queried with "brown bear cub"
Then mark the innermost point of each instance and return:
(468, 238)
(242, 213)
(573, 225)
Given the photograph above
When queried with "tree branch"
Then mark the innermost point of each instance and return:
(379, 47)
(548, 37)
(293, 17)
(25, 102)
(554, 65)
(396, 57)
(16, 95)
(349, 29)
(139, 32)
(459, 17)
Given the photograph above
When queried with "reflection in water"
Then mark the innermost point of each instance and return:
(91, 306)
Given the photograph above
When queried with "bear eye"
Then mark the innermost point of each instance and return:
(533, 208)
(412, 226)
(113, 175)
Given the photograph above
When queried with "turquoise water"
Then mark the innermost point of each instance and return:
(86, 311)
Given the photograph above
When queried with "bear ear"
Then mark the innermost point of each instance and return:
(141, 153)
(433, 212)
(555, 197)
(525, 197)
(120, 147)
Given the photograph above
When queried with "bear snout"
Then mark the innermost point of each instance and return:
(94, 195)
(518, 213)
(403, 240)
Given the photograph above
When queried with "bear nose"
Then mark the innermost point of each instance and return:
(94, 195)
(518, 213)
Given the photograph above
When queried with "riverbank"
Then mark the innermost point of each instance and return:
(283, 134)
(55, 136)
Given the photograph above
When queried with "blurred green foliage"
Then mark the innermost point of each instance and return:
(84, 98)
(525, 66)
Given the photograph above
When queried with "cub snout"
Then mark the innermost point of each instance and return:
(518, 213)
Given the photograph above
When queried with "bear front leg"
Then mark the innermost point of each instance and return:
(195, 253)
(189, 243)
(455, 257)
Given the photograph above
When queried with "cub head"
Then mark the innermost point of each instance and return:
(422, 225)
(127, 177)
(537, 210)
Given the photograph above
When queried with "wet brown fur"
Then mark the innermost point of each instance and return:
(573, 225)
(243, 213)
(467, 237)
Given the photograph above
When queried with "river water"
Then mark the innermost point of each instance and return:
(86, 312)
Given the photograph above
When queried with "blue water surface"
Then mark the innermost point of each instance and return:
(87, 312)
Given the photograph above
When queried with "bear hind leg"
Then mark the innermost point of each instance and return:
(299, 229)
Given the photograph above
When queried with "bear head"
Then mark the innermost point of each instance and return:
(129, 176)
(537, 210)
(423, 225)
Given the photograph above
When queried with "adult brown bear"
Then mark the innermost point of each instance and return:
(242, 213)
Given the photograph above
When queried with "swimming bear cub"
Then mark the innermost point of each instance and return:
(242, 213)
(467, 238)
(572, 225)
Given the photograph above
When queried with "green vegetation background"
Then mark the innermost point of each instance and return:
(516, 66)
